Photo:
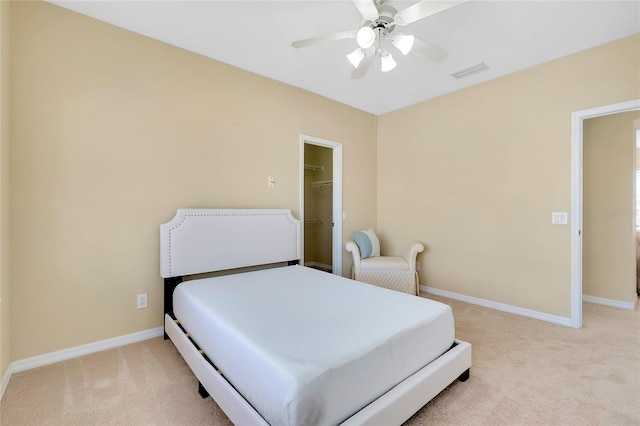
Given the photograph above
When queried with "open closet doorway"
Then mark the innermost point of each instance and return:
(321, 203)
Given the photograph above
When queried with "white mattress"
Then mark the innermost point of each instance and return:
(306, 347)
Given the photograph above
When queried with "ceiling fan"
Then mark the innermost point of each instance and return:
(379, 23)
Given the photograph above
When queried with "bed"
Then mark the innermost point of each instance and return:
(274, 342)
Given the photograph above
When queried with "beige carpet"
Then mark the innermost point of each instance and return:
(525, 372)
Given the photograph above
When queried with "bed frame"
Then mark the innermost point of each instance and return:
(200, 241)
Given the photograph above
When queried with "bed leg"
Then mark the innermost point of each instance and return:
(202, 391)
(464, 376)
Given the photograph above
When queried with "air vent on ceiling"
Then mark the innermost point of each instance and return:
(471, 70)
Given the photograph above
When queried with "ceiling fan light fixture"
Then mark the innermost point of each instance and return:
(403, 42)
(365, 37)
(387, 63)
(356, 57)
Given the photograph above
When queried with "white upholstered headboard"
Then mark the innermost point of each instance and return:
(206, 240)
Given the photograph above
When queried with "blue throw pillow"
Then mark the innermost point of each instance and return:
(367, 242)
(364, 244)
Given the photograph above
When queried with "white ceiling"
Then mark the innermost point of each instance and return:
(256, 36)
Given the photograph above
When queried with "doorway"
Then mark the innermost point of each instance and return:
(321, 203)
(636, 205)
(577, 119)
(608, 219)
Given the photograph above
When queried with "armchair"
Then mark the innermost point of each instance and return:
(392, 272)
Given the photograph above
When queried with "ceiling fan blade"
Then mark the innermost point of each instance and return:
(428, 51)
(423, 9)
(367, 9)
(324, 39)
(364, 65)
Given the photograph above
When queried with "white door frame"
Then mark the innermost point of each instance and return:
(336, 261)
(577, 119)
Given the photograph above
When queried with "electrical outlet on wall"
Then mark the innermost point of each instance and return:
(417, 266)
(142, 301)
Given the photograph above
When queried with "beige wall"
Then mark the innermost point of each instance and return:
(5, 307)
(476, 174)
(111, 132)
(608, 244)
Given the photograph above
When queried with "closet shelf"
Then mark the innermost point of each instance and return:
(323, 185)
(314, 168)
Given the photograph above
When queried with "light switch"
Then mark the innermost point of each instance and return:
(559, 218)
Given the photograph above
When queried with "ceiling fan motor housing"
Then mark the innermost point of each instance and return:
(382, 25)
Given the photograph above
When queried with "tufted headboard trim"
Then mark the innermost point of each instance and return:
(208, 240)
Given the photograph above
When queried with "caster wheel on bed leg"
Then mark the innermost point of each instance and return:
(202, 391)
(465, 376)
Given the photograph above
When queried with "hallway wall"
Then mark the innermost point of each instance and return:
(608, 244)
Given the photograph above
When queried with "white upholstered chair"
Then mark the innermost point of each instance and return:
(392, 272)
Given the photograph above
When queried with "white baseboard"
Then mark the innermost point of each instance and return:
(5, 382)
(608, 302)
(65, 354)
(498, 306)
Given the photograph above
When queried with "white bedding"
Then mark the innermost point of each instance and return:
(307, 347)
